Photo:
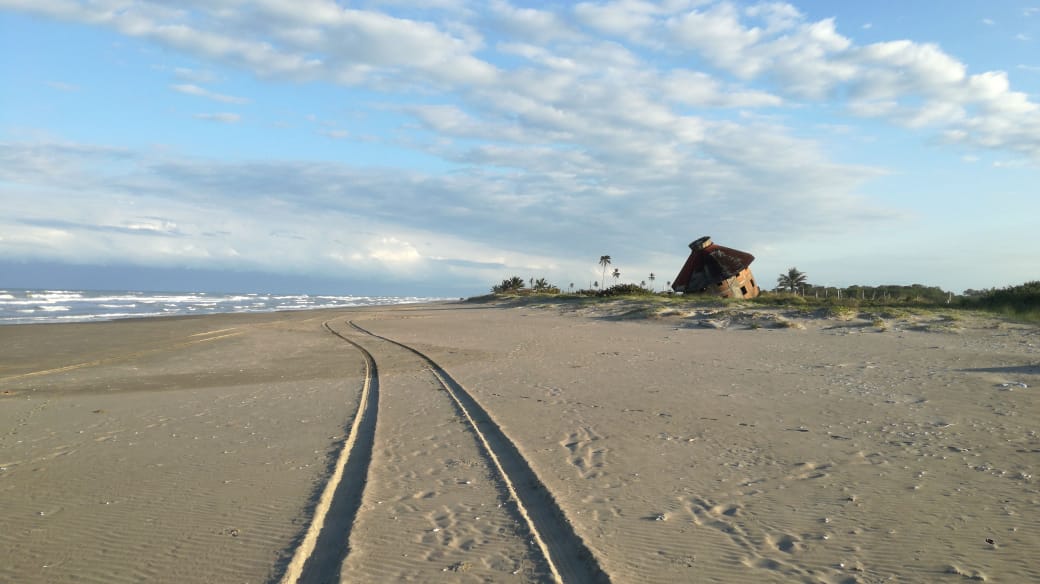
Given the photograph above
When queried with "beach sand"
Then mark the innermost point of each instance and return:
(519, 442)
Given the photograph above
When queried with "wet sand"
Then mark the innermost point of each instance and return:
(521, 443)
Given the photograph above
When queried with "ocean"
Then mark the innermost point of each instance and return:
(19, 306)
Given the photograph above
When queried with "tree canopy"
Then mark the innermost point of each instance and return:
(792, 280)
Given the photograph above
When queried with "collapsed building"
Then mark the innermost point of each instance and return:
(718, 270)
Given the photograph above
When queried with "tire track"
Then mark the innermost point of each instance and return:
(568, 559)
(326, 543)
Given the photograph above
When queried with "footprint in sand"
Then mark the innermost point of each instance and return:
(809, 470)
(763, 549)
(584, 454)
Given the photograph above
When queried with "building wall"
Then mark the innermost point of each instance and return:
(742, 285)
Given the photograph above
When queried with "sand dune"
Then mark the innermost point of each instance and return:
(521, 443)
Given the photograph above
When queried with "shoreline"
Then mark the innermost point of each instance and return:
(710, 444)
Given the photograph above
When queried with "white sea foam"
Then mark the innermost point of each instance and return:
(35, 306)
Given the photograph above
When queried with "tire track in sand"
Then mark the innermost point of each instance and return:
(325, 544)
(568, 559)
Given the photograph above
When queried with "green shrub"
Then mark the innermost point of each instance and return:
(1018, 301)
(625, 290)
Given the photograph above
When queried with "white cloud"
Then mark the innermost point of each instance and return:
(988, 21)
(394, 252)
(222, 117)
(530, 24)
(194, 75)
(61, 86)
(780, 55)
(624, 18)
(718, 34)
(335, 134)
(166, 210)
(191, 89)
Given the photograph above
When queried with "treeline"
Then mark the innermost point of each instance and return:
(517, 285)
(1021, 300)
(915, 293)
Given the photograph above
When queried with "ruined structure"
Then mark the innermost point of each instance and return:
(714, 269)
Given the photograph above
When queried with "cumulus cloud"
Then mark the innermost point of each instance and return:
(913, 84)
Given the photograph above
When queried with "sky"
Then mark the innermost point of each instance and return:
(438, 147)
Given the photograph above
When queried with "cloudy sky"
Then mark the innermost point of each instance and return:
(439, 146)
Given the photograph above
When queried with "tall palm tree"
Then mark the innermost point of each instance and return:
(652, 278)
(604, 261)
(616, 274)
(792, 280)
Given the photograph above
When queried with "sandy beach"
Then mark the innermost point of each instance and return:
(519, 442)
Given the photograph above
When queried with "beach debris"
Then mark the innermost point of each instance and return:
(718, 270)
(1011, 385)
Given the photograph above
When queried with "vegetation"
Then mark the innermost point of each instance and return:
(792, 281)
(625, 290)
(1022, 301)
(604, 261)
(514, 284)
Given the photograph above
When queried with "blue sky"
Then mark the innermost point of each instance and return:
(395, 146)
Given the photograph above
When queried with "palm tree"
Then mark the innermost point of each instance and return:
(652, 278)
(792, 280)
(642, 284)
(604, 261)
(616, 274)
(509, 284)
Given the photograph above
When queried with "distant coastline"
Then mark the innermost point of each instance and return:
(28, 306)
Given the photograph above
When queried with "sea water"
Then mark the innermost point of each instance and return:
(18, 306)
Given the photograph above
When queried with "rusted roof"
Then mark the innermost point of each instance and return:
(717, 261)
